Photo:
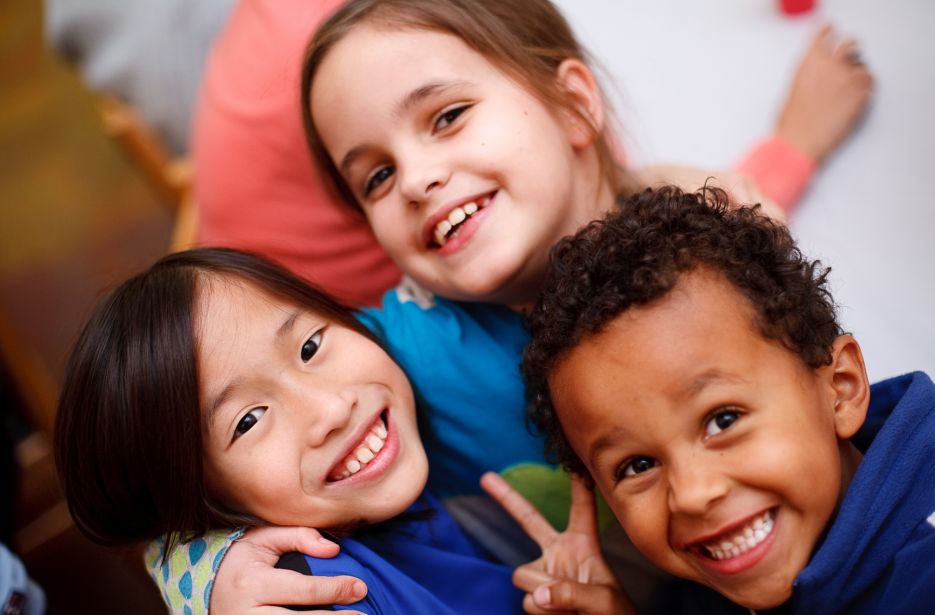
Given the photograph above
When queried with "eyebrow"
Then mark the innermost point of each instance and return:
(228, 391)
(706, 379)
(411, 99)
(604, 442)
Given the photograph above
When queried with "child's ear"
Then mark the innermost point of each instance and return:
(577, 81)
(849, 386)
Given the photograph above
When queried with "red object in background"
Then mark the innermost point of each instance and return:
(796, 7)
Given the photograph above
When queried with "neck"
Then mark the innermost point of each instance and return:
(591, 204)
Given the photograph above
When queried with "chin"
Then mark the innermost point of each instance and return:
(760, 599)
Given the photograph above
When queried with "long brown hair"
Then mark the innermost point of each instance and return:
(129, 430)
(526, 39)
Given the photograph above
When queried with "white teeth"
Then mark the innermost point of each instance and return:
(745, 539)
(455, 217)
(441, 231)
(372, 443)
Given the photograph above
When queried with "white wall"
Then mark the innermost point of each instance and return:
(701, 80)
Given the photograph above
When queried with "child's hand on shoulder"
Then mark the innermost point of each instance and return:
(247, 581)
(571, 575)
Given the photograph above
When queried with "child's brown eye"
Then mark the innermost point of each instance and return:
(636, 465)
(248, 421)
(719, 421)
(375, 180)
(310, 347)
(448, 117)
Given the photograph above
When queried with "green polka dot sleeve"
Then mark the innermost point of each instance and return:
(187, 574)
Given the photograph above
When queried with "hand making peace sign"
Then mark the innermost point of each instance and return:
(571, 576)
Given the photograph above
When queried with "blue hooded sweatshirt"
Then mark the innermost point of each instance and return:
(878, 556)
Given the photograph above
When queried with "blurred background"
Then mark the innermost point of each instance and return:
(95, 99)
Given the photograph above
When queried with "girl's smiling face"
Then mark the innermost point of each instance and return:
(308, 422)
(722, 454)
(466, 177)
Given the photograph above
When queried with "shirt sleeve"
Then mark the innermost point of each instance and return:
(185, 576)
(779, 170)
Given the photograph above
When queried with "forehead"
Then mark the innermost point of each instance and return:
(703, 330)
(369, 73)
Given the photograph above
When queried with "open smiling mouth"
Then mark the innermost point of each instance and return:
(741, 540)
(450, 226)
(363, 453)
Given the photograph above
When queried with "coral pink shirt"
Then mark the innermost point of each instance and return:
(255, 184)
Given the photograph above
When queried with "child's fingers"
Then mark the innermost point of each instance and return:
(529, 577)
(246, 579)
(528, 517)
(583, 516)
(272, 542)
(531, 608)
(575, 597)
(824, 39)
(294, 588)
(848, 51)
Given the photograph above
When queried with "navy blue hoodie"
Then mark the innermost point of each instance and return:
(878, 557)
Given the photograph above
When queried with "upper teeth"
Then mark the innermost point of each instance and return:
(455, 217)
(744, 539)
(365, 451)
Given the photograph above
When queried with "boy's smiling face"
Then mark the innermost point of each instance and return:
(723, 455)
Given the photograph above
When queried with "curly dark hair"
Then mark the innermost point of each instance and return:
(636, 254)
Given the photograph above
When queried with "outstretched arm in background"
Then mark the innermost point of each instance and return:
(829, 93)
(571, 575)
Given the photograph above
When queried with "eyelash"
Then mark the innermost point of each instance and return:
(720, 413)
(243, 426)
(450, 115)
(624, 471)
(373, 182)
(313, 340)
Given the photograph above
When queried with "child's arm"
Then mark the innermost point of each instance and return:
(234, 572)
(829, 93)
(571, 574)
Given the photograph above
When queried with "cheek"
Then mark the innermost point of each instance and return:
(645, 521)
(802, 468)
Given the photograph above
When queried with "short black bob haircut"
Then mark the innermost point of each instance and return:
(635, 256)
(128, 436)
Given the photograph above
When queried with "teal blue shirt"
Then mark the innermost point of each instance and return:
(463, 360)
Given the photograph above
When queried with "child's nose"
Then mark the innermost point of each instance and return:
(695, 486)
(419, 180)
(326, 412)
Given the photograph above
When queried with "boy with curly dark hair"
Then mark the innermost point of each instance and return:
(686, 357)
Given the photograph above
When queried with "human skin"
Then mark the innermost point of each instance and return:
(450, 129)
(698, 430)
(309, 422)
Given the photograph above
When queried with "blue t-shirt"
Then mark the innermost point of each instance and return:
(463, 360)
